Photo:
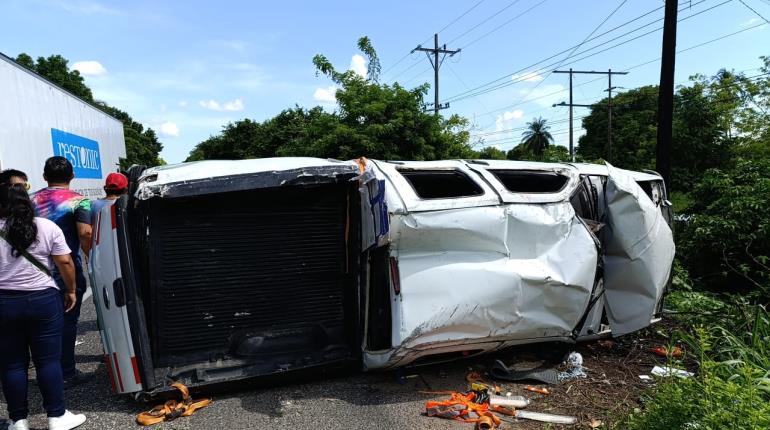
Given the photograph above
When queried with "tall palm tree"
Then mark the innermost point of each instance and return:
(537, 137)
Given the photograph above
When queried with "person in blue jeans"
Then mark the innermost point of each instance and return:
(72, 213)
(32, 308)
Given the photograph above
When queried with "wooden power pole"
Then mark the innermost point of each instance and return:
(435, 61)
(609, 74)
(666, 94)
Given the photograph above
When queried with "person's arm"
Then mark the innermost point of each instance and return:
(85, 232)
(67, 271)
(83, 224)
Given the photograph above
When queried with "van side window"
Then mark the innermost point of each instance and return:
(584, 201)
(530, 181)
(441, 184)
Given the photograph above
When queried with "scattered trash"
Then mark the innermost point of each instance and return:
(575, 368)
(645, 378)
(172, 409)
(606, 344)
(510, 401)
(546, 418)
(664, 351)
(670, 371)
(542, 374)
(460, 406)
(595, 424)
(538, 390)
(473, 376)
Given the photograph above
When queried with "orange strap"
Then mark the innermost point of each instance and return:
(172, 409)
(459, 407)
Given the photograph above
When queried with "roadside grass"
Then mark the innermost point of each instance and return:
(728, 346)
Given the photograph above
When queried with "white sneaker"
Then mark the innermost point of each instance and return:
(19, 425)
(66, 422)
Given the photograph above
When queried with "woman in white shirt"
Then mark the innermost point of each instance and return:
(31, 307)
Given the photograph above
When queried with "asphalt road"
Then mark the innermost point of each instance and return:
(352, 400)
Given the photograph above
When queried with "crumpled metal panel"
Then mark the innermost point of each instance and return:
(505, 272)
(639, 254)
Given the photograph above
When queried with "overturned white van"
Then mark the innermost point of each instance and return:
(217, 271)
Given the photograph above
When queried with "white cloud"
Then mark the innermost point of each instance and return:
(749, 23)
(183, 104)
(232, 106)
(545, 95)
(325, 95)
(506, 117)
(358, 65)
(84, 7)
(232, 44)
(169, 129)
(527, 77)
(89, 68)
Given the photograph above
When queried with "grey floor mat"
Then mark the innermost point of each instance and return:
(542, 374)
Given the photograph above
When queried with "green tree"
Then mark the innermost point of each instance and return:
(634, 129)
(372, 119)
(537, 137)
(711, 116)
(55, 68)
(491, 153)
(142, 145)
(554, 154)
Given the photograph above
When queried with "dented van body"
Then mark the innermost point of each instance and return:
(217, 271)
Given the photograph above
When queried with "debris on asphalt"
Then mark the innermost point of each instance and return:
(501, 372)
(510, 401)
(574, 368)
(666, 371)
(172, 409)
(595, 424)
(665, 352)
(546, 418)
(538, 390)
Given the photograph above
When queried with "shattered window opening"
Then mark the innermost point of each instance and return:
(530, 181)
(441, 184)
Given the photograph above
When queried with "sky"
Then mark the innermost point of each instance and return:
(187, 68)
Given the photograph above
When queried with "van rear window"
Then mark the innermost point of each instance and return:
(441, 184)
(530, 181)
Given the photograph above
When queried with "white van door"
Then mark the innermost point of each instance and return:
(110, 300)
(638, 256)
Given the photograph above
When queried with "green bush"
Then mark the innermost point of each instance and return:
(726, 244)
(732, 385)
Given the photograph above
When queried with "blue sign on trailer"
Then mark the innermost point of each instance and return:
(82, 152)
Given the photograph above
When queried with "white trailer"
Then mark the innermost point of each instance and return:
(38, 120)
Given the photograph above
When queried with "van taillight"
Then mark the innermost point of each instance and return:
(395, 277)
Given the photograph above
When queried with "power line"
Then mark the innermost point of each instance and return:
(503, 24)
(485, 20)
(549, 69)
(755, 12)
(494, 85)
(708, 42)
(392, 66)
(460, 17)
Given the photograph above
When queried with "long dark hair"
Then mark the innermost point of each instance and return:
(16, 208)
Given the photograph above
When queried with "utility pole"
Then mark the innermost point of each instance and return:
(609, 74)
(436, 63)
(666, 94)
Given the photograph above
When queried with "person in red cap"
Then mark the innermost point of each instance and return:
(115, 186)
